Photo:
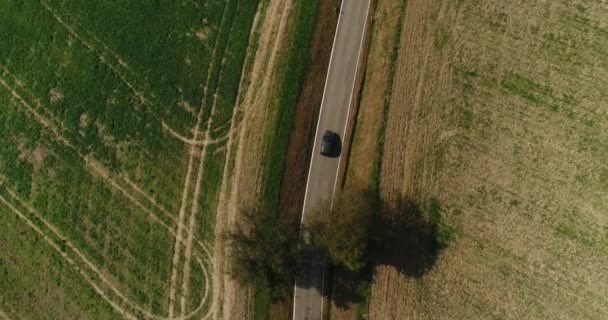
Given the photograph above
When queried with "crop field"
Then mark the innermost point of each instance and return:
(497, 127)
(115, 122)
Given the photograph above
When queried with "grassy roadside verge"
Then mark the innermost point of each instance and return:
(291, 71)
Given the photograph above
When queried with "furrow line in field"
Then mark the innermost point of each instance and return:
(180, 226)
(120, 61)
(37, 116)
(176, 135)
(194, 209)
(100, 55)
(19, 83)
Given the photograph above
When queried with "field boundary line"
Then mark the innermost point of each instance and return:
(260, 79)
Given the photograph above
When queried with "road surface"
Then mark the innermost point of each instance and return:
(323, 173)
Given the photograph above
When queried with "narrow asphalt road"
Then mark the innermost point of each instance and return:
(323, 173)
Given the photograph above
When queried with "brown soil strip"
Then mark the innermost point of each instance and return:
(407, 93)
(374, 99)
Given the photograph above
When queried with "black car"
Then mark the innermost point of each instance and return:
(330, 144)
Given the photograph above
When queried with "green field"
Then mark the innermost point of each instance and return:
(103, 107)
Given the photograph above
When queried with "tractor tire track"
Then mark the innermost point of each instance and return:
(186, 189)
(88, 264)
(98, 169)
(195, 201)
(47, 239)
(196, 196)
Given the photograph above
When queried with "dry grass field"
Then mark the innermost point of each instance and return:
(498, 127)
(123, 130)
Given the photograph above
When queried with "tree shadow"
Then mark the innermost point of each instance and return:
(406, 238)
(349, 287)
(402, 236)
